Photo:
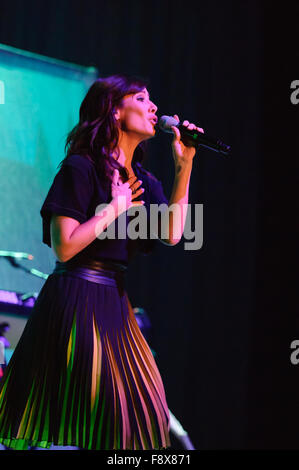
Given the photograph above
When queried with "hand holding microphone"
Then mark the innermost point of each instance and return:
(182, 153)
(191, 135)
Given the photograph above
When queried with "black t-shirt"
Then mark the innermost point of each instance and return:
(77, 191)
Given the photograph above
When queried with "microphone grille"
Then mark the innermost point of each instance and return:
(165, 123)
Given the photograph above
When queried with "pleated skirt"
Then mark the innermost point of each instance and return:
(82, 373)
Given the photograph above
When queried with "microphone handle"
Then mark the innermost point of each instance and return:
(194, 138)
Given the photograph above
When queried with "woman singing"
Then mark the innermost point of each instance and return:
(82, 373)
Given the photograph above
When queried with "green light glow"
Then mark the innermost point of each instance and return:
(40, 99)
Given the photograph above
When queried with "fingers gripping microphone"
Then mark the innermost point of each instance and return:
(193, 137)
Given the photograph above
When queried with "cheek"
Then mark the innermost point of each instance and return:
(134, 117)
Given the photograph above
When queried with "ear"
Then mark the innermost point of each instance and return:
(117, 114)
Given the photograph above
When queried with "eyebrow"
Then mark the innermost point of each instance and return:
(145, 93)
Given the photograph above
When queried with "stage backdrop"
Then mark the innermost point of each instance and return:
(223, 316)
(40, 99)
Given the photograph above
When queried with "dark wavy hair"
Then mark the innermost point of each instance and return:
(96, 134)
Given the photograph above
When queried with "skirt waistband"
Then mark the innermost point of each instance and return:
(100, 272)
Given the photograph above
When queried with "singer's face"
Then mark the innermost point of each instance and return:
(137, 116)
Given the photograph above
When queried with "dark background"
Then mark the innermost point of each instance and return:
(224, 316)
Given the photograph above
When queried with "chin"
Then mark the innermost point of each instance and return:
(153, 133)
(148, 135)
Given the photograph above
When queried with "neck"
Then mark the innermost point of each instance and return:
(126, 148)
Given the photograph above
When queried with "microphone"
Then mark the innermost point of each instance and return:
(15, 255)
(193, 137)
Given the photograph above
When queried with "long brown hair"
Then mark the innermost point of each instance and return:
(96, 134)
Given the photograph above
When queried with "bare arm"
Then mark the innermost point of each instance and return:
(69, 237)
(175, 219)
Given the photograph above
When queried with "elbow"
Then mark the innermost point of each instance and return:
(61, 254)
(62, 259)
(173, 242)
(168, 235)
(170, 242)
(61, 231)
(166, 239)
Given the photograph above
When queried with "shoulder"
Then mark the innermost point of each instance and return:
(78, 165)
(81, 162)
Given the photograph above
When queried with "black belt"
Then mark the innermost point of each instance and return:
(100, 272)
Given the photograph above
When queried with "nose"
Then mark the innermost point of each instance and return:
(153, 107)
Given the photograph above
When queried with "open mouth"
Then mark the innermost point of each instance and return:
(154, 121)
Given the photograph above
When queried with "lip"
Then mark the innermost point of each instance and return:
(154, 120)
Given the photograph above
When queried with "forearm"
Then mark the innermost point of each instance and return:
(174, 220)
(87, 232)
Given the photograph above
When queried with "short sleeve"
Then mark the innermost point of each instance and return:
(69, 195)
